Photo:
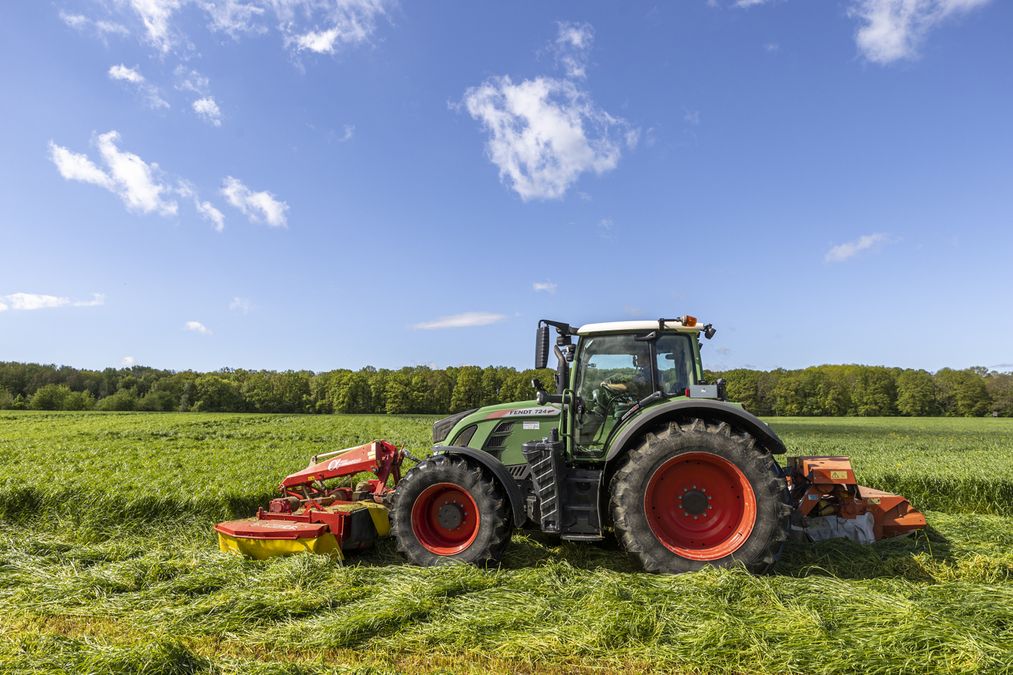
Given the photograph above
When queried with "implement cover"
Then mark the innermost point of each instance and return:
(261, 549)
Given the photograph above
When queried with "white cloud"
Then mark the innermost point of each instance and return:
(241, 305)
(544, 287)
(122, 72)
(156, 16)
(573, 48)
(347, 133)
(847, 250)
(131, 178)
(196, 327)
(137, 181)
(211, 214)
(893, 30)
(750, 3)
(133, 76)
(208, 110)
(352, 22)
(75, 166)
(691, 117)
(206, 209)
(32, 301)
(465, 320)
(128, 362)
(544, 133)
(256, 206)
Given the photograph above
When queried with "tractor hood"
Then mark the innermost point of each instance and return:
(449, 427)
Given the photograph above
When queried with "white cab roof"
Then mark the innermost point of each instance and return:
(632, 326)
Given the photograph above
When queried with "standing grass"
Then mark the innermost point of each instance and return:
(107, 563)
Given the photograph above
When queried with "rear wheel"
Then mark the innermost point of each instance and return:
(697, 494)
(446, 510)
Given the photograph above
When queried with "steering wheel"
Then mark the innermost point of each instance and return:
(610, 393)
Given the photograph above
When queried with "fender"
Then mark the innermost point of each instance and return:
(498, 470)
(733, 415)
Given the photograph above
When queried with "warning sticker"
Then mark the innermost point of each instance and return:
(532, 425)
(838, 475)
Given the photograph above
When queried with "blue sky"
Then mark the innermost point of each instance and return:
(322, 184)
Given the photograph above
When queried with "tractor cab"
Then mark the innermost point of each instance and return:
(616, 369)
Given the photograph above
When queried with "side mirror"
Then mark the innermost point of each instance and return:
(537, 384)
(541, 347)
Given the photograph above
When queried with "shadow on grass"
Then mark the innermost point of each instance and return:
(901, 557)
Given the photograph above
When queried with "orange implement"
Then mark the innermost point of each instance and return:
(826, 488)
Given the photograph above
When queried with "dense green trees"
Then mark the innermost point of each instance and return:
(819, 390)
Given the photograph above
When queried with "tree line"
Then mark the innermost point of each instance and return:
(829, 390)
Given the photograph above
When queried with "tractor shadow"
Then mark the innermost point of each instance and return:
(910, 557)
(907, 557)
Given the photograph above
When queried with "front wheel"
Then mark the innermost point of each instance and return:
(447, 510)
(699, 494)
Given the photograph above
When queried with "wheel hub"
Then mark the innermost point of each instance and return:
(451, 516)
(694, 502)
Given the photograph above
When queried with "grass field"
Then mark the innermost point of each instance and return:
(108, 563)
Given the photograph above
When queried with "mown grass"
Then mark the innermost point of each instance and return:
(107, 564)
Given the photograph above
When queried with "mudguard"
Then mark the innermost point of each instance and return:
(497, 469)
(717, 410)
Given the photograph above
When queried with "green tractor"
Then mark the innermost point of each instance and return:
(633, 440)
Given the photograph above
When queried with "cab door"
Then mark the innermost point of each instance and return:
(612, 373)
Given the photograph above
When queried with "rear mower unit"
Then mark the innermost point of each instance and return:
(633, 440)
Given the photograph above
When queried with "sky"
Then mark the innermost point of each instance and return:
(321, 184)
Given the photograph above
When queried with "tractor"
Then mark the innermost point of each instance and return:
(632, 439)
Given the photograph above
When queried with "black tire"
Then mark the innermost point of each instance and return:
(479, 538)
(692, 446)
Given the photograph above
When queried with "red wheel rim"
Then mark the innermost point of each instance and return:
(700, 506)
(445, 519)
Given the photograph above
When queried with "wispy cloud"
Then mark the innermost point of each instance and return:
(544, 287)
(136, 182)
(848, 250)
(243, 305)
(893, 30)
(545, 132)
(133, 76)
(99, 27)
(573, 48)
(207, 109)
(257, 206)
(210, 212)
(465, 320)
(320, 26)
(196, 327)
(33, 301)
(128, 362)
